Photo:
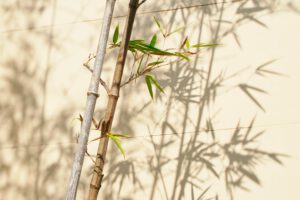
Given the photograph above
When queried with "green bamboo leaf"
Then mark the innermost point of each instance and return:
(116, 140)
(153, 41)
(155, 63)
(141, 46)
(120, 135)
(140, 64)
(118, 143)
(183, 43)
(204, 45)
(116, 35)
(174, 31)
(182, 56)
(159, 26)
(156, 84)
(148, 82)
(187, 43)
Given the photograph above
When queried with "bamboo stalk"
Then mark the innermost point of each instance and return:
(97, 176)
(92, 95)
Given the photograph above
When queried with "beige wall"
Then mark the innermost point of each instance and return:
(43, 88)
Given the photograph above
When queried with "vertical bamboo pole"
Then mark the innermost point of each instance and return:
(112, 103)
(92, 95)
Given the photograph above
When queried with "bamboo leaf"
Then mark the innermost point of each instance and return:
(120, 135)
(159, 26)
(116, 35)
(204, 45)
(155, 63)
(174, 31)
(97, 138)
(182, 56)
(140, 64)
(187, 42)
(116, 140)
(183, 43)
(141, 46)
(156, 84)
(148, 82)
(153, 41)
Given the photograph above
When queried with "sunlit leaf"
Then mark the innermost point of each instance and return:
(182, 56)
(159, 26)
(141, 46)
(153, 41)
(156, 84)
(116, 140)
(155, 63)
(183, 43)
(175, 30)
(187, 42)
(204, 45)
(140, 64)
(116, 35)
(120, 135)
(95, 139)
(148, 82)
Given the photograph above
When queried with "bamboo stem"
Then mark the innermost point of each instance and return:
(97, 176)
(90, 103)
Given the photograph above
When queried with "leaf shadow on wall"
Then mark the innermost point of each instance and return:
(200, 158)
(32, 154)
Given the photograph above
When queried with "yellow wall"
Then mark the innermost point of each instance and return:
(43, 89)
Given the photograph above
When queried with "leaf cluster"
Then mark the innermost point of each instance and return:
(149, 57)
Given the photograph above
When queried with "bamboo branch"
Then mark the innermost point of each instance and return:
(90, 103)
(147, 70)
(102, 82)
(97, 176)
(143, 1)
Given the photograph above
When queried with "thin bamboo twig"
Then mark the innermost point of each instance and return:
(102, 82)
(97, 176)
(92, 95)
(145, 71)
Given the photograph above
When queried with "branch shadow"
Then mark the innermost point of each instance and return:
(188, 156)
(203, 157)
(32, 150)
